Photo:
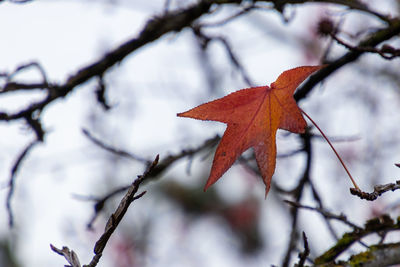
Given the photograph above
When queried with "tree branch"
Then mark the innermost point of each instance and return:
(175, 21)
(381, 224)
(68, 254)
(373, 40)
(112, 222)
(18, 1)
(378, 191)
(11, 181)
(353, 4)
(303, 255)
(157, 171)
(116, 151)
(326, 214)
(376, 256)
(297, 194)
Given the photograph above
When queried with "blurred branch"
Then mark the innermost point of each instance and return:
(13, 86)
(116, 151)
(371, 41)
(17, 1)
(376, 225)
(297, 193)
(205, 40)
(352, 4)
(377, 256)
(303, 255)
(11, 181)
(326, 214)
(175, 21)
(318, 199)
(378, 191)
(244, 10)
(171, 21)
(101, 93)
(386, 51)
(112, 222)
(162, 166)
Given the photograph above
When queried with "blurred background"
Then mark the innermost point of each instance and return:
(176, 223)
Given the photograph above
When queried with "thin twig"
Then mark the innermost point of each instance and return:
(157, 171)
(325, 213)
(303, 255)
(378, 191)
(112, 222)
(297, 194)
(101, 94)
(318, 199)
(243, 11)
(11, 181)
(206, 39)
(117, 151)
(68, 254)
(123, 206)
(10, 85)
(173, 21)
(374, 39)
(387, 51)
(20, 1)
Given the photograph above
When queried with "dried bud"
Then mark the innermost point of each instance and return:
(325, 27)
(388, 49)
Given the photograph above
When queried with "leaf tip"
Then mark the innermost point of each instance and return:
(267, 187)
(208, 184)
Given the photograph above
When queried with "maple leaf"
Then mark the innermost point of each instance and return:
(253, 117)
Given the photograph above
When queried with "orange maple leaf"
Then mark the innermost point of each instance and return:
(253, 116)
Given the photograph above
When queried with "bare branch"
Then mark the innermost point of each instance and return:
(378, 191)
(354, 4)
(157, 171)
(303, 255)
(205, 39)
(297, 193)
(112, 222)
(101, 94)
(377, 256)
(243, 11)
(373, 40)
(386, 51)
(326, 214)
(116, 151)
(11, 181)
(174, 21)
(117, 216)
(68, 254)
(18, 1)
(380, 224)
(10, 85)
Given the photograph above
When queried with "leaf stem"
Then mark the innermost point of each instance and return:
(334, 150)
